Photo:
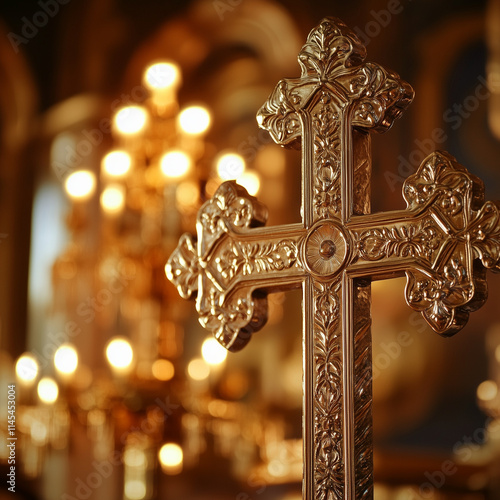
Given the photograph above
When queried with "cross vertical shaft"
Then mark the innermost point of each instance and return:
(335, 94)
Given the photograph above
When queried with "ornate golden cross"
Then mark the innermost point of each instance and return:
(443, 242)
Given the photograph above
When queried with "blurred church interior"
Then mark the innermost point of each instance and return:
(118, 119)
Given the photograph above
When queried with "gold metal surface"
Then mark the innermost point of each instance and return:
(443, 242)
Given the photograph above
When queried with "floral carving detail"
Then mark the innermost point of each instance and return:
(484, 232)
(453, 285)
(328, 427)
(253, 258)
(442, 181)
(279, 115)
(330, 48)
(327, 153)
(183, 267)
(402, 241)
(442, 297)
(230, 208)
(231, 320)
(334, 82)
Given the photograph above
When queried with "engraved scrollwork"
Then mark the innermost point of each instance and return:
(414, 240)
(230, 208)
(233, 319)
(183, 267)
(441, 180)
(327, 153)
(330, 48)
(247, 258)
(279, 116)
(484, 232)
(454, 286)
(383, 96)
(334, 81)
(445, 298)
(328, 429)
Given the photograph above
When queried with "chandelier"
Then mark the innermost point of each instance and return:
(146, 401)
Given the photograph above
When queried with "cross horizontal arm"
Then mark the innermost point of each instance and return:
(435, 242)
(233, 264)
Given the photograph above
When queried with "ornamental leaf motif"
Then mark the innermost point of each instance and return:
(442, 181)
(233, 319)
(445, 297)
(230, 208)
(454, 285)
(327, 154)
(183, 267)
(327, 396)
(253, 258)
(334, 54)
(415, 240)
(278, 114)
(484, 233)
(330, 48)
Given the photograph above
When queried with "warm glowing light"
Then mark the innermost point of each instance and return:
(163, 369)
(47, 390)
(198, 369)
(27, 367)
(213, 353)
(194, 120)
(487, 390)
(116, 163)
(250, 181)
(66, 359)
(133, 457)
(130, 120)
(113, 198)
(119, 353)
(162, 75)
(175, 164)
(497, 353)
(134, 489)
(39, 433)
(187, 195)
(80, 185)
(230, 166)
(171, 457)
